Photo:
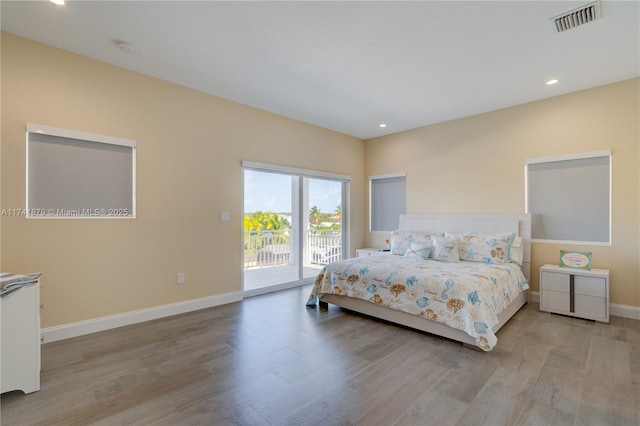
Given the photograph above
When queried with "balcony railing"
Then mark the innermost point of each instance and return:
(273, 248)
(323, 247)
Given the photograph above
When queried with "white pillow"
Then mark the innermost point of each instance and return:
(516, 252)
(445, 249)
(419, 251)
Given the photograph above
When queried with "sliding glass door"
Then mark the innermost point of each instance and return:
(294, 224)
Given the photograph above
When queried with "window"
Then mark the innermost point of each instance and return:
(79, 175)
(387, 201)
(569, 198)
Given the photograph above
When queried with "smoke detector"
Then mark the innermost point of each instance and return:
(125, 47)
(577, 17)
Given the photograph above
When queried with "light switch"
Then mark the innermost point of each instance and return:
(224, 216)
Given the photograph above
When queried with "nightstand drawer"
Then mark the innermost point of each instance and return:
(366, 252)
(555, 282)
(590, 306)
(589, 286)
(555, 301)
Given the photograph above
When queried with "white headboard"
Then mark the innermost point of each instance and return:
(481, 223)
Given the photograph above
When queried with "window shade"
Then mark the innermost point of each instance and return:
(388, 202)
(69, 177)
(569, 200)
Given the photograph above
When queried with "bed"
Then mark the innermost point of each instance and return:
(467, 301)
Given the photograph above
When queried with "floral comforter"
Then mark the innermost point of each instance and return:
(467, 296)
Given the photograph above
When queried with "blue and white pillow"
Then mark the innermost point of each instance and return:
(516, 252)
(446, 249)
(419, 251)
(401, 240)
(484, 248)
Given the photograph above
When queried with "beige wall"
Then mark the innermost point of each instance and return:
(190, 148)
(476, 165)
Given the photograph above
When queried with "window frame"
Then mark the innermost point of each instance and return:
(569, 157)
(90, 212)
(372, 201)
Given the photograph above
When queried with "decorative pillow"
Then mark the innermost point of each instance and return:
(485, 248)
(419, 251)
(445, 249)
(516, 254)
(401, 240)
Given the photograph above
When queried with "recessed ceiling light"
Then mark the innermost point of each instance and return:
(383, 125)
(552, 82)
(58, 2)
(125, 47)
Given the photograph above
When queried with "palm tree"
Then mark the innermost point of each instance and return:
(314, 215)
(278, 222)
(337, 213)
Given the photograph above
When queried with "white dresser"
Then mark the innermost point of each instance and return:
(575, 292)
(20, 344)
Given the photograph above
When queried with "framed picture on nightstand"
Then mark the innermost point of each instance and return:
(575, 259)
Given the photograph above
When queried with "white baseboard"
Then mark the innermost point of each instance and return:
(67, 331)
(624, 311)
(534, 296)
(278, 287)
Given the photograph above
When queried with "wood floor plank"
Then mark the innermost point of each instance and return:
(40, 407)
(503, 399)
(433, 408)
(559, 388)
(392, 408)
(608, 360)
(526, 357)
(464, 383)
(212, 413)
(129, 398)
(358, 394)
(141, 414)
(607, 403)
(537, 413)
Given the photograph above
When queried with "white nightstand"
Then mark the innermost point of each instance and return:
(575, 292)
(365, 252)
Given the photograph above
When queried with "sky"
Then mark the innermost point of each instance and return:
(272, 192)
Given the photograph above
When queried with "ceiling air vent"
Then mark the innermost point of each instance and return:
(576, 17)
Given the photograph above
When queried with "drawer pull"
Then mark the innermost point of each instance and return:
(571, 293)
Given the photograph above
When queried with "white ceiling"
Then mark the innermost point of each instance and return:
(349, 66)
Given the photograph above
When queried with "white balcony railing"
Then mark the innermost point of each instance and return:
(323, 247)
(273, 248)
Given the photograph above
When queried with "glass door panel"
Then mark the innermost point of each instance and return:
(322, 225)
(271, 254)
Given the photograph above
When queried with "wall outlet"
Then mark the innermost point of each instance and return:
(181, 278)
(224, 216)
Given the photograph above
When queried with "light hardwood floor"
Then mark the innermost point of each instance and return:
(271, 360)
